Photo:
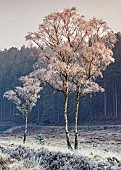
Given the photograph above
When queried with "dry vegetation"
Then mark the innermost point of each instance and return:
(99, 148)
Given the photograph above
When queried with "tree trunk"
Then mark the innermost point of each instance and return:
(25, 132)
(105, 101)
(66, 120)
(65, 114)
(116, 101)
(105, 105)
(76, 118)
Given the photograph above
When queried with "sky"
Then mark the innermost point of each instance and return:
(18, 17)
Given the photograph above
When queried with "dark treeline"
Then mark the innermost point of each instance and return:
(98, 107)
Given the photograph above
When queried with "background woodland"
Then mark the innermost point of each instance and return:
(95, 108)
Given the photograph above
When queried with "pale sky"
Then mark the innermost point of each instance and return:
(18, 17)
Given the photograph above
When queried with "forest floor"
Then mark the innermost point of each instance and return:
(99, 147)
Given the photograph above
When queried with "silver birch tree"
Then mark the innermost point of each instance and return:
(94, 58)
(25, 98)
(71, 49)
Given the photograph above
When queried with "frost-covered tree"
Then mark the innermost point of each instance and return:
(95, 56)
(25, 98)
(59, 33)
(66, 43)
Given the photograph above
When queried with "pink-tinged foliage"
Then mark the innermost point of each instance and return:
(74, 52)
(71, 45)
(25, 97)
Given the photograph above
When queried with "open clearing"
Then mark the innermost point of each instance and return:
(98, 145)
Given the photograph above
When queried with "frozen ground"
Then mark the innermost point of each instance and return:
(99, 149)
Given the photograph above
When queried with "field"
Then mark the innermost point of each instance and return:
(45, 148)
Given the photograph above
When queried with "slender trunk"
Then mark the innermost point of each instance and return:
(65, 114)
(38, 112)
(66, 120)
(4, 111)
(90, 108)
(113, 96)
(105, 105)
(116, 104)
(116, 101)
(58, 116)
(1, 111)
(105, 100)
(13, 110)
(10, 110)
(25, 131)
(76, 117)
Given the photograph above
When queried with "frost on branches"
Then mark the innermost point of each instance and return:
(74, 52)
(25, 97)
